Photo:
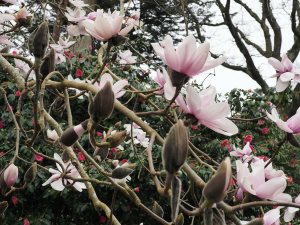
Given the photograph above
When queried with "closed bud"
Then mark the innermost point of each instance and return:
(178, 79)
(11, 175)
(31, 173)
(121, 172)
(216, 188)
(103, 103)
(102, 152)
(175, 148)
(117, 138)
(3, 207)
(72, 134)
(179, 219)
(157, 209)
(39, 40)
(48, 65)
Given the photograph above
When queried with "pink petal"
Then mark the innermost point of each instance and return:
(294, 123)
(222, 126)
(281, 86)
(270, 188)
(159, 51)
(104, 79)
(286, 62)
(213, 63)
(172, 58)
(187, 51)
(126, 30)
(276, 64)
(289, 214)
(169, 90)
(287, 76)
(58, 185)
(271, 216)
(180, 101)
(282, 197)
(118, 86)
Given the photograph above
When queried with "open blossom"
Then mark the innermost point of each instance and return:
(23, 68)
(272, 217)
(188, 58)
(292, 125)
(255, 182)
(134, 19)
(116, 87)
(59, 49)
(165, 84)
(285, 72)
(52, 134)
(244, 154)
(209, 113)
(126, 57)
(76, 16)
(56, 181)
(106, 25)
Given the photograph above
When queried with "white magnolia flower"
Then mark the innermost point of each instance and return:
(56, 181)
(52, 134)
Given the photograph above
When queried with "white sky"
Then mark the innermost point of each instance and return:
(222, 43)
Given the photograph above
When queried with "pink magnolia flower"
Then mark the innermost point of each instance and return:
(292, 125)
(59, 48)
(23, 68)
(56, 181)
(126, 57)
(165, 84)
(272, 217)
(6, 17)
(106, 25)
(237, 152)
(285, 72)
(77, 16)
(209, 113)
(116, 87)
(11, 175)
(255, 182)
(188, 58)
(134, 19)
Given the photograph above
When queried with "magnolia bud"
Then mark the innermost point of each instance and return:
(65, 156)
(175, 148)
(101, 151)
(175, 197)
(11, 175)
(292, 140)
(179, 219)
(121, 172)
(178, 79)
(3, 207)
(216, 188)
(157, 209)
(72, 134)
(117, 138)
(103, 103)
(39, 40)
(48, 65)
(31, 173)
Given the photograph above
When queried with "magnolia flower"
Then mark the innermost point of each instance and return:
(106, 25)
(116, 87)
(285, 72)
(78, 3)
(78, 16)
(11, 175)
(255, 182)
(141, 139)
(6, 17)
(57, 182)
(209, 113)
(290, 212)
(272, 217)
(23, 68)
(292, 125)
(134, 19)
(270, 172)
(52, 134)
(165, 84)
(126, 57)
(237, 152)
(138, 135)
(187, 59)
(59, 49)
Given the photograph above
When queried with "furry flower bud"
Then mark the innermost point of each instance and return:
(157, 209)
(216, 188)
(39, 40)
(121, 172)
(117, 138)
(103, 103)
(175, 148)
(48, 65)
(11, 175)
(72, 134)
